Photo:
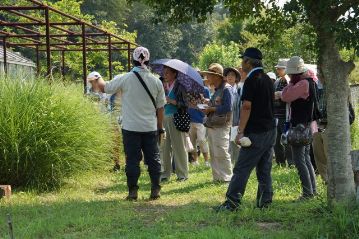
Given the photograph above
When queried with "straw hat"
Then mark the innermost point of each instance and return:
(229, 69)
(214, 69)
(295, 65)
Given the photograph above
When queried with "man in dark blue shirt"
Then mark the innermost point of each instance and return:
(258, 124)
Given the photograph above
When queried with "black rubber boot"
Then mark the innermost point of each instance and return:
(132, 193)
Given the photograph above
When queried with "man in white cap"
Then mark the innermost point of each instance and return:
(143, 98)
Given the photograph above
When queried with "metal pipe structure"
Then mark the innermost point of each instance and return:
(109, 57)
(55, 36)
(48, 50)
(84, 65)
(37, 61)
(63, 63)
(5, 54)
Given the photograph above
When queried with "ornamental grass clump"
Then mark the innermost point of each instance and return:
(49, 133)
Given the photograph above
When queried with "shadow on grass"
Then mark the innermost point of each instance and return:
(105, 219)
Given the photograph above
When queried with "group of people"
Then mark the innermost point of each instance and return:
(243, 118)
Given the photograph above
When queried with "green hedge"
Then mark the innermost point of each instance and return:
(48, 133)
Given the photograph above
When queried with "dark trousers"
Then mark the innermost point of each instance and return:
(136, 143)
(282, 152)
(259, 156)
(301, 156)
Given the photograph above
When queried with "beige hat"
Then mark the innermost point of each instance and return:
(214, 69)
(282, 63)
(295, 65)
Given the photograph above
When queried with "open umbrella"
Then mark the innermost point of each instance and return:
(187, 75)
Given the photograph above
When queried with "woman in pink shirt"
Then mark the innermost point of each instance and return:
(297, 93)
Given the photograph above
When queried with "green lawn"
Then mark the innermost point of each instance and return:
(92, 206)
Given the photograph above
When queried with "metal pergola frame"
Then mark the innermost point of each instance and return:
(59, 42)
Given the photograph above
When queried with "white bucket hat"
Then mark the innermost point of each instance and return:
(295, 65)
(93, 76)
(282, 63)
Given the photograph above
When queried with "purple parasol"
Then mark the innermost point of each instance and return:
(187, 75)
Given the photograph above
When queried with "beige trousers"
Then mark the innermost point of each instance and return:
(173, 147)
(320, 150)
(197, 134)
(218, 140)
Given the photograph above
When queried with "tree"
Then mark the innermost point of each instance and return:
(215, 52)
(335, 23)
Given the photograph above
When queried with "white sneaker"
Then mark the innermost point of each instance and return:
(195, 163)
(206, 163)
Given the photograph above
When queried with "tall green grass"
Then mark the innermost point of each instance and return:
(48, 133)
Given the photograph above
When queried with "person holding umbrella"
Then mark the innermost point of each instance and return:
(182, 80)
(218, 122)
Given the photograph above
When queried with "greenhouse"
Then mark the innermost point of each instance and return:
(18, 66)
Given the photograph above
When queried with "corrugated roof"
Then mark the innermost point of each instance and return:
(15, 58)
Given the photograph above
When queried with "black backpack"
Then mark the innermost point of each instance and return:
(314, 97)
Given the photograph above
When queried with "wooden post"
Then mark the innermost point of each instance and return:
(355, 163)
(6, 190)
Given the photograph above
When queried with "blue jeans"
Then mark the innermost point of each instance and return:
(259, 156)
(306, 172)
(136, 143)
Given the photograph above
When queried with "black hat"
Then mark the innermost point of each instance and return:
(253, 53)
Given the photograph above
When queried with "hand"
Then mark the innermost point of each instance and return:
(208, 110)
(170, 101)
(238, 138)
(205, 101)
(277, 95)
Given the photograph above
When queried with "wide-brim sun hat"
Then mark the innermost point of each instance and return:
(214, 69)
(229, 69)
(282, 63)
(295, 65)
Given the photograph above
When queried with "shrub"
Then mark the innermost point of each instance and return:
(48, 133)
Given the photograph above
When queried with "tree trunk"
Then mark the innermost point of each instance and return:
(335, 72)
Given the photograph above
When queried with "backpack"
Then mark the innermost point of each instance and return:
(314, 97)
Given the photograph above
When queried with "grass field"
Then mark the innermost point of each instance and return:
(92, 205)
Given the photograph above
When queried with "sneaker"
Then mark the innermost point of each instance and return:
(181, 179)
(225, 207)
(304, 198)
(116, 168)
(132, 194)
(195, 163)
(163, 180)
(206, 163)
(155, 193)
